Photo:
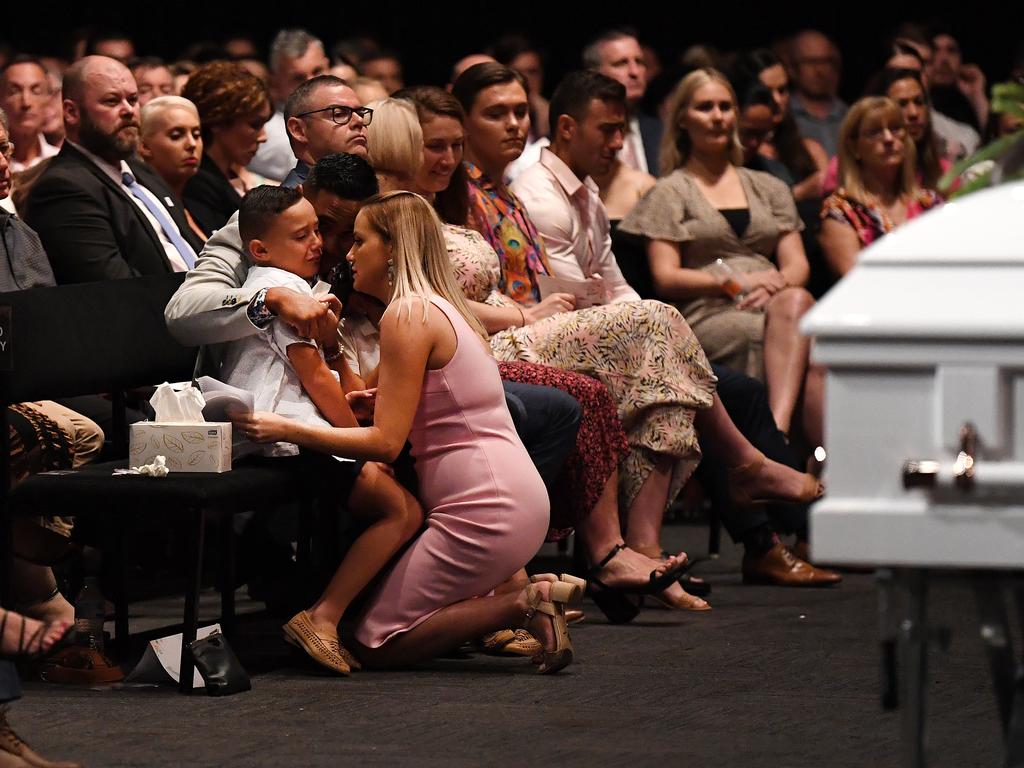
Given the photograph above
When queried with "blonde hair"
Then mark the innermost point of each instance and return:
(408, 223)
(394, 138)
(675, 143)
(156, 106)
(851, 176)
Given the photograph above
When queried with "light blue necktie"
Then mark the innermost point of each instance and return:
(183, 248)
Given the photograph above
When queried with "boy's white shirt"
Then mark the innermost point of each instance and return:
(260, 364)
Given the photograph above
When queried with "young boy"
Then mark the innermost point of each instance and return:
(288, 374)
(291, 376)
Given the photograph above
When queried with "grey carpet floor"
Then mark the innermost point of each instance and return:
(771, 677)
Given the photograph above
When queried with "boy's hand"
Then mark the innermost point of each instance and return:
(362, 402)
(310, 317)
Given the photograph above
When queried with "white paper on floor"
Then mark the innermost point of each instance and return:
(161, 663)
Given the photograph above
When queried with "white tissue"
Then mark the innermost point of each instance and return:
(178, 407)
(156, 468)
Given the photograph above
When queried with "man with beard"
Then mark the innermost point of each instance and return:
(99, 211)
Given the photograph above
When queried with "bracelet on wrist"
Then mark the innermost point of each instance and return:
(333, 355)
(522, 317)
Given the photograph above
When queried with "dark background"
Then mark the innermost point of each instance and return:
(432, 34)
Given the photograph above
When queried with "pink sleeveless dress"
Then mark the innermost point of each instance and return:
(486, 506)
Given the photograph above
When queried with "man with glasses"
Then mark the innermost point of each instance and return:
(323, 116)
(816, 66)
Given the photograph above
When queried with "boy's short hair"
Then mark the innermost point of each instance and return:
(260, 206)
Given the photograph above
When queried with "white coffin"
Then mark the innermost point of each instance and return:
(925, 334)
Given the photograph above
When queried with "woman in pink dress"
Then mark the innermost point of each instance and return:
(486, 505)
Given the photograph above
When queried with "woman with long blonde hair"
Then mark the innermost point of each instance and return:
(724, 244)
(879, 186)
(486, 505)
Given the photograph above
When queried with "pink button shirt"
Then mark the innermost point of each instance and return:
(571, 218)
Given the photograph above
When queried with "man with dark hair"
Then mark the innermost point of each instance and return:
(957, 89)
(588, 121)
(617, 53)
(24, 95)
(323, 116)
(153, 77)
(101, 213)
(295, 57)
(210, 306)
(385, 67)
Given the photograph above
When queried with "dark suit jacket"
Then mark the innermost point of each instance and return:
(210, 198)
(90, 227)
(651, 130)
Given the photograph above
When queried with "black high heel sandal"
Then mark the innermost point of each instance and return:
(621, 604)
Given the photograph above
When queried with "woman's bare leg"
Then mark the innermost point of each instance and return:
(646, 513)
(396, 516)
(35, 589)
(450, 627)
(600, 532)
(785, 353)
(813, 408)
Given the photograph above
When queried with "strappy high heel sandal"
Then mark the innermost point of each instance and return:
(812, 489)
(562, 592)
(692, 584)
(621, 604)
(31, 646)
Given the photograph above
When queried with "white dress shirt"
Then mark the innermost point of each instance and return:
(260, 363)
(571, 218)
(632, 153)
(46, 150)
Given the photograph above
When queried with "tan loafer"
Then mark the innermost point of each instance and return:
(323, 647)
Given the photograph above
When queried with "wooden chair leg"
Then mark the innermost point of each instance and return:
(191, 622)
(227, 574)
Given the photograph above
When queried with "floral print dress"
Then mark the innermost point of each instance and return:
(870, 222)
(642, 351)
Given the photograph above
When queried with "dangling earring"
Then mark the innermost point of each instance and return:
(391, 273)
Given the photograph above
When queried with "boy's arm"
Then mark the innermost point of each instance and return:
(320, 384)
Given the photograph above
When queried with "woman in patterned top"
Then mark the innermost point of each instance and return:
(878, 182)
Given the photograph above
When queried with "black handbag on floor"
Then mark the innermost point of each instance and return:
(219, 667)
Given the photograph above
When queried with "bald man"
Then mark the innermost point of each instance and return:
(100, 212)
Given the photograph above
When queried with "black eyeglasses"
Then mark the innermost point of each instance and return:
(343, 115)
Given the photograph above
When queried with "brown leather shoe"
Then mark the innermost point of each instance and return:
(11, 744)
(802, 550)
(782, 568)
(573, 616)
(78, 665)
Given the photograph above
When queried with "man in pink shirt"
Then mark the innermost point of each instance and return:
(588, 121)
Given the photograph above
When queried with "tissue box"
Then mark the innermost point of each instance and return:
(200, 447)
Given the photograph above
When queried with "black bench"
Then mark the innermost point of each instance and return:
(110, 337)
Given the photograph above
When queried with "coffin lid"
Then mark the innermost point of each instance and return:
(956, 272)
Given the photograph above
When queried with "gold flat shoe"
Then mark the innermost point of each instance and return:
(325, 649)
